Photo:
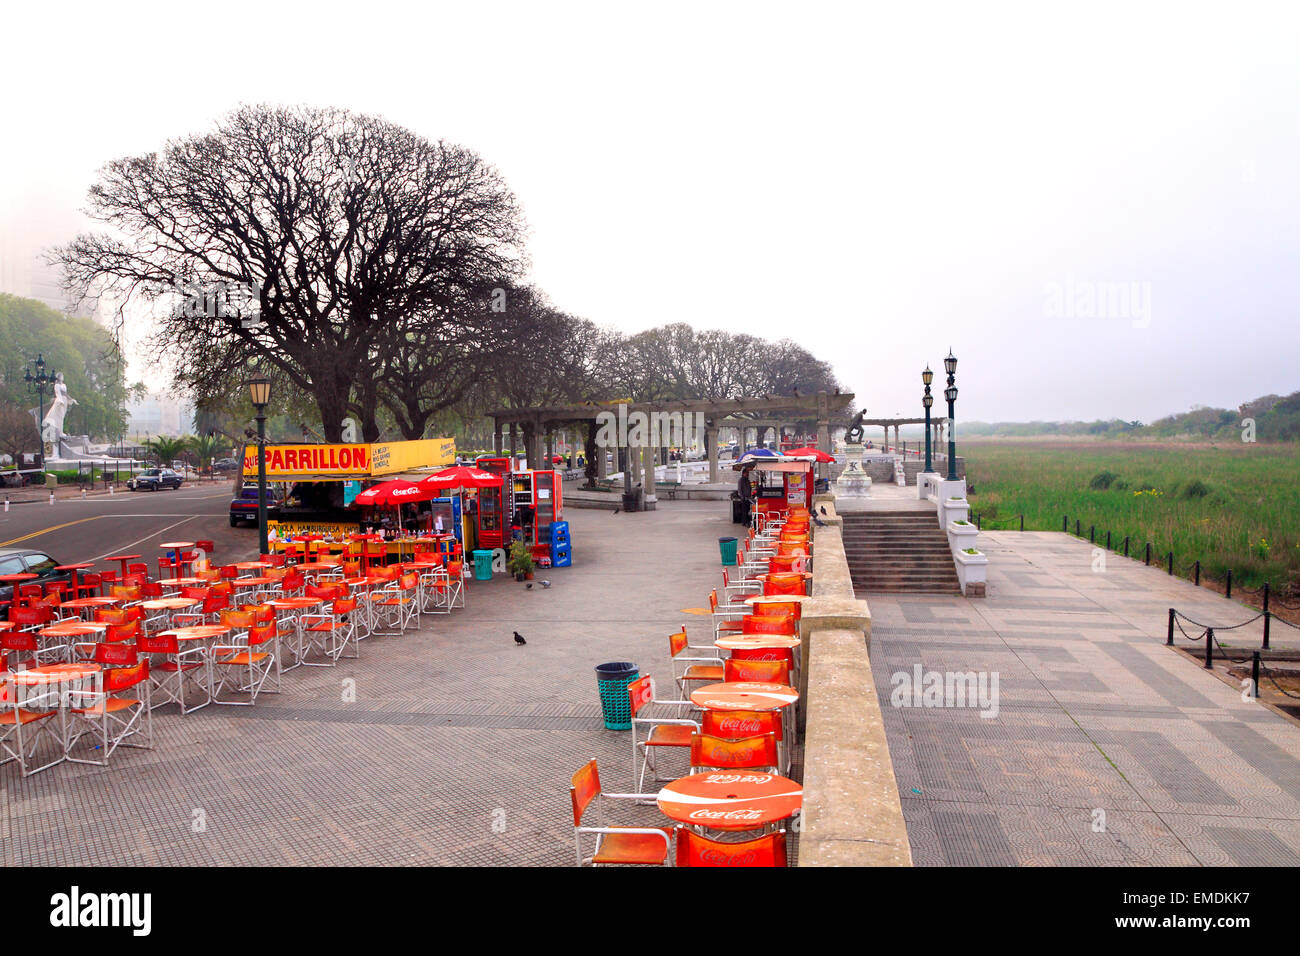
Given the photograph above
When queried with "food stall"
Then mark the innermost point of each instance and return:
(777, 482)
(321, 481)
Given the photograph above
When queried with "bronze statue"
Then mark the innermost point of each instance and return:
(855, 433)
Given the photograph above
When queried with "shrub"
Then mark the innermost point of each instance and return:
(1196, 489)
(1102, 480)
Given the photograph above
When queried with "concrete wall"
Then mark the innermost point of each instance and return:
(852, 815)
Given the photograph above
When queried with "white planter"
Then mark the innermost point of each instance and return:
(961, 536)
(951, 510)
(971, 568)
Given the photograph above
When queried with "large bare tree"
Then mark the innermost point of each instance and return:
(342, 225)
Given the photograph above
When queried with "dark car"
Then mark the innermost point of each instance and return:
(152, 479)
(25, 561)
(226, 464)
(244, 507)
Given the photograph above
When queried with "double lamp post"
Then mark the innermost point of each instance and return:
(950, 394)
(259, 388)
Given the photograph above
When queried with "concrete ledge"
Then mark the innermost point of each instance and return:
(852, 815)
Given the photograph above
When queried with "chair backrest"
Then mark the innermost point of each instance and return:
(780, 563)
(18, 640)
(763, 672)
(785, 584)
(138, 569)
(214, 603)
(320, 591)
(779, 609)
(713, 600)
(261, 634)
(163, 642)
(343, 606)
(125, 593)
(583, 788)
(151, 589)
(640, 692)
(117, 633)
(209, 574)
(695, 850)
(676, 643)
(409, 582)
(232, 617)
(262, 614)
(207, 547)
(454, 569)
(116, 655)
(228, 572)
(91, 580)
(110, 615)
(30, 591)
(120, 678)
(27, 616)
(198, 592)
(737, 724)
(293, 581)
(743, 753)
(764, 654)
(782, 624)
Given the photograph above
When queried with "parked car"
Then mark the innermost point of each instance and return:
(225, 464)
(152, 479)
(26, 561)
(244, 507)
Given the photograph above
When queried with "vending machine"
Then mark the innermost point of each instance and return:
(495, 511)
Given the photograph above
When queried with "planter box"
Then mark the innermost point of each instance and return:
(972, 572)
(961, 536)
(951, 510)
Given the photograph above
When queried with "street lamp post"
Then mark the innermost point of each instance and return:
(950, 393)
(928, 400)
(260, 390)
(38, 383)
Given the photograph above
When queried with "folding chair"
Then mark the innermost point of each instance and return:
(661, 732)
(726, 617)
(737, 724)
(178, 675)
(26, 717)
(635, 846)
(244, 664)
(336, 628)
(702, 670)
(745, 753)
(398, 604)
(107, 719)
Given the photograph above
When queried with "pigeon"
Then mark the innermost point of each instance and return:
(519, 639)
(822, 508)
(528, 586)
(818, 522)
(545, 585)
(617, 510)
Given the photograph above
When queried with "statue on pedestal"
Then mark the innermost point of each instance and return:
(52, 424)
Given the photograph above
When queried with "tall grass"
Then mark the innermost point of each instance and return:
(1230, 506)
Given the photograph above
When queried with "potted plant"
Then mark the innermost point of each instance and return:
(520, 561)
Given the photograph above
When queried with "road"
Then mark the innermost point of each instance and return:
(89, 529)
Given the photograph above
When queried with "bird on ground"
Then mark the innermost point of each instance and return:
(519, 639)
(528, 586)
(545, 585)
(822, 509)
(818, 522)
(617, 510)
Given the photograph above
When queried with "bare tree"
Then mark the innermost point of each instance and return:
(338, 224)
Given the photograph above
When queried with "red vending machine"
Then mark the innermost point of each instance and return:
(492, 522)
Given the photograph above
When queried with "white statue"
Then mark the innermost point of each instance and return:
(52, 425)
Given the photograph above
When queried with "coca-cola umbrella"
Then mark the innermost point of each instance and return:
(395, 492)
(458, 477)
(810, 452)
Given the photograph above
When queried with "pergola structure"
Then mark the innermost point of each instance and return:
(761, 412)
(936, 423)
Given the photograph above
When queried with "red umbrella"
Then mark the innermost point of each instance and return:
(393, 492)
(816, 453)
(460, 476)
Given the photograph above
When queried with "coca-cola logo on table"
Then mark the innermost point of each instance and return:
(745, 813)
(726, 779)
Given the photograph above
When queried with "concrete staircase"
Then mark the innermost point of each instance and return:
(899, 551)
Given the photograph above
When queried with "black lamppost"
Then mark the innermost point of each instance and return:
(950, 393)
(928, 401)
(259, 388)
(39, 383)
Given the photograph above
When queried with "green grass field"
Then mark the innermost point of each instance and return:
(1230, 505)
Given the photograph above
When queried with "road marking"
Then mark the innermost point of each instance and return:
(66, 524)
(155, 534)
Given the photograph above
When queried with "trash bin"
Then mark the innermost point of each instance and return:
(613, 678)
(728, 548)
(482, 565)
(632, 499)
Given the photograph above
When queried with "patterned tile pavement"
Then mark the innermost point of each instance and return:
(457, 749)
(1107, 748)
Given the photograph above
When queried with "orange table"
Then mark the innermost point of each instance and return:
(253, 565)
(74, 568)
(123, 558)
(180, 547)
(89, 604)
(777, 598)
(746, 642)
(744, 695)
(295, 604)
(731, 800)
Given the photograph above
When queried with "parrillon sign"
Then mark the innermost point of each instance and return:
(350, 461)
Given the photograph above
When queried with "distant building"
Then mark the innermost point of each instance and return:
(159, 414)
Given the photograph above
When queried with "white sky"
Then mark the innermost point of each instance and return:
(877, 182)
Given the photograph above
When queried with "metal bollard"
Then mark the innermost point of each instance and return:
(1022, 522)
(1107, 540)
(1254, 672)
(1171, 562)
(1267, 616)
(1209, 648)
(1126, 546)
(1170, 639)
(1229, 592)
(51, 497)
(1092, 534)
(1148, 554)
(1065, 523)
(1196, 573)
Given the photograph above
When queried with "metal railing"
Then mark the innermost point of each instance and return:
(1207, 634)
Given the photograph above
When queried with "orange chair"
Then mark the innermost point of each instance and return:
(780, 624)
(785, 584)
(725, 616)
(398, 603)
(105, 717)
(696, 850)
(670, 732)
(179, 674)
(636, 846)
(335, 629)
(701, 670)
(23, 727)
(745, 753)
(110, 615)
(763, 672)
(245, 665)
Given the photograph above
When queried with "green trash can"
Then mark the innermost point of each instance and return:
(728, 548)
(482, 565)
(613, 678)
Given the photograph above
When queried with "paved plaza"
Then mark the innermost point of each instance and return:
(457, 750)
(1108, 748)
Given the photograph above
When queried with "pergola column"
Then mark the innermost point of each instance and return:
(648, 477)
(711, 451)
(602, 469)
(514, 446)
(823, 423)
